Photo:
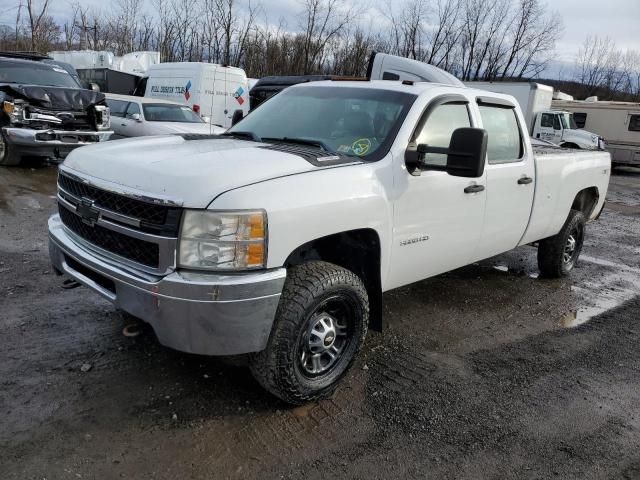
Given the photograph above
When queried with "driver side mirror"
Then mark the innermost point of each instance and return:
(136, 117)
(465, 156)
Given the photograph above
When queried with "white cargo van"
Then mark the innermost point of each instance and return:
(212, 90)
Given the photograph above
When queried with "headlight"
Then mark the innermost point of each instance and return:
(15, 110)
(235, 240)
(103, 117)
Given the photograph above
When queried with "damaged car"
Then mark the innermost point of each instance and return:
(46, 113)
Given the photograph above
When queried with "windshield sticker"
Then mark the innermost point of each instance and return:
(344, 149)
(361, 146)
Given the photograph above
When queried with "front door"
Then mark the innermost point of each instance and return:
(510, 180)
(437, 217)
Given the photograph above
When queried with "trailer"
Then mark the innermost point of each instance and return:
(617, 122)
(109, 80)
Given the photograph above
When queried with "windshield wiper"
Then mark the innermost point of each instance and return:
(301, 141)
(244, 135)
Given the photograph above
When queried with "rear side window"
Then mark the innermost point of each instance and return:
(505, 142)
(580, 118)
(439, 127)
(117, 107)
(634, 123)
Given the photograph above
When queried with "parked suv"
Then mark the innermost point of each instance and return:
(45, 112)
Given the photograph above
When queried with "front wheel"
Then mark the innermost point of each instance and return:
(320, 326)
(558, 255)
(8, 156)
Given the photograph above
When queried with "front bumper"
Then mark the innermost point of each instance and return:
(202, 313)
(52, 143)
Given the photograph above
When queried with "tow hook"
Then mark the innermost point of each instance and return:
(70, 284)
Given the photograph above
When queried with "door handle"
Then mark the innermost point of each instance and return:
(474, 189)
(525, 181)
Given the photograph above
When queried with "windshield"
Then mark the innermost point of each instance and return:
(360, 122)
(36, 74)
(568, 121)
(158, 112)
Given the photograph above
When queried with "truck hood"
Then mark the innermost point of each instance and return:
(161, 128)
(189, 172)
(582, 138)
(55, 98)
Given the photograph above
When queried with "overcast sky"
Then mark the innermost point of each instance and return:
(618, 19)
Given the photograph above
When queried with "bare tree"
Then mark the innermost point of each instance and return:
(591, 62)
(42, 27)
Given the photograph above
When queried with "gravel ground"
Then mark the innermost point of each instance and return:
(484, 372)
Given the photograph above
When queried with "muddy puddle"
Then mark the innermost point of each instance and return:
(23, 188)
(617, 284)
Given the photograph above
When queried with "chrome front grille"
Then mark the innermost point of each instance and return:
(140, 234)
(149, 217)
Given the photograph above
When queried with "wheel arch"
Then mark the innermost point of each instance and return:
(356, 250)
(586, 201)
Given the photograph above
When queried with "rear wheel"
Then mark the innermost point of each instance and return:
(320, 326)
(558, 255)
(8, 155)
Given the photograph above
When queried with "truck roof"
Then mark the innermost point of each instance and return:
(415, 88)
(132, 98)
(176, 66)
(600, 104)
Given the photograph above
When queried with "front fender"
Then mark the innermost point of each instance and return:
(584, 140)
(304, 207)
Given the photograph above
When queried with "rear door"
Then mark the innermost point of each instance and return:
(510, 180)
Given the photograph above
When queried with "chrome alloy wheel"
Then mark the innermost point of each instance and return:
(572, 247)
(326, 339)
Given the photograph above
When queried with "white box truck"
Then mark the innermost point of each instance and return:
(617, 122)
(554, 126)
(212, 90)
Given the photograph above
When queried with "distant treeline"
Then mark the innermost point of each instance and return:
(473, 39)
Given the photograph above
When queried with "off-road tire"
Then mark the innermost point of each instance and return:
(278, 368)
(551, 251)
(8, 155)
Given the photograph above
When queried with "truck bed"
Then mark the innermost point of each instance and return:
(560, 173)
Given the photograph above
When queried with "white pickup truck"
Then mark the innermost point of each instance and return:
(278, 238)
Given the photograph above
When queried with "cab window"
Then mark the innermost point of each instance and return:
(117, 107)
(634, 123)
(546, 120)
(132, 108)
(439, 127)
(505, 140)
